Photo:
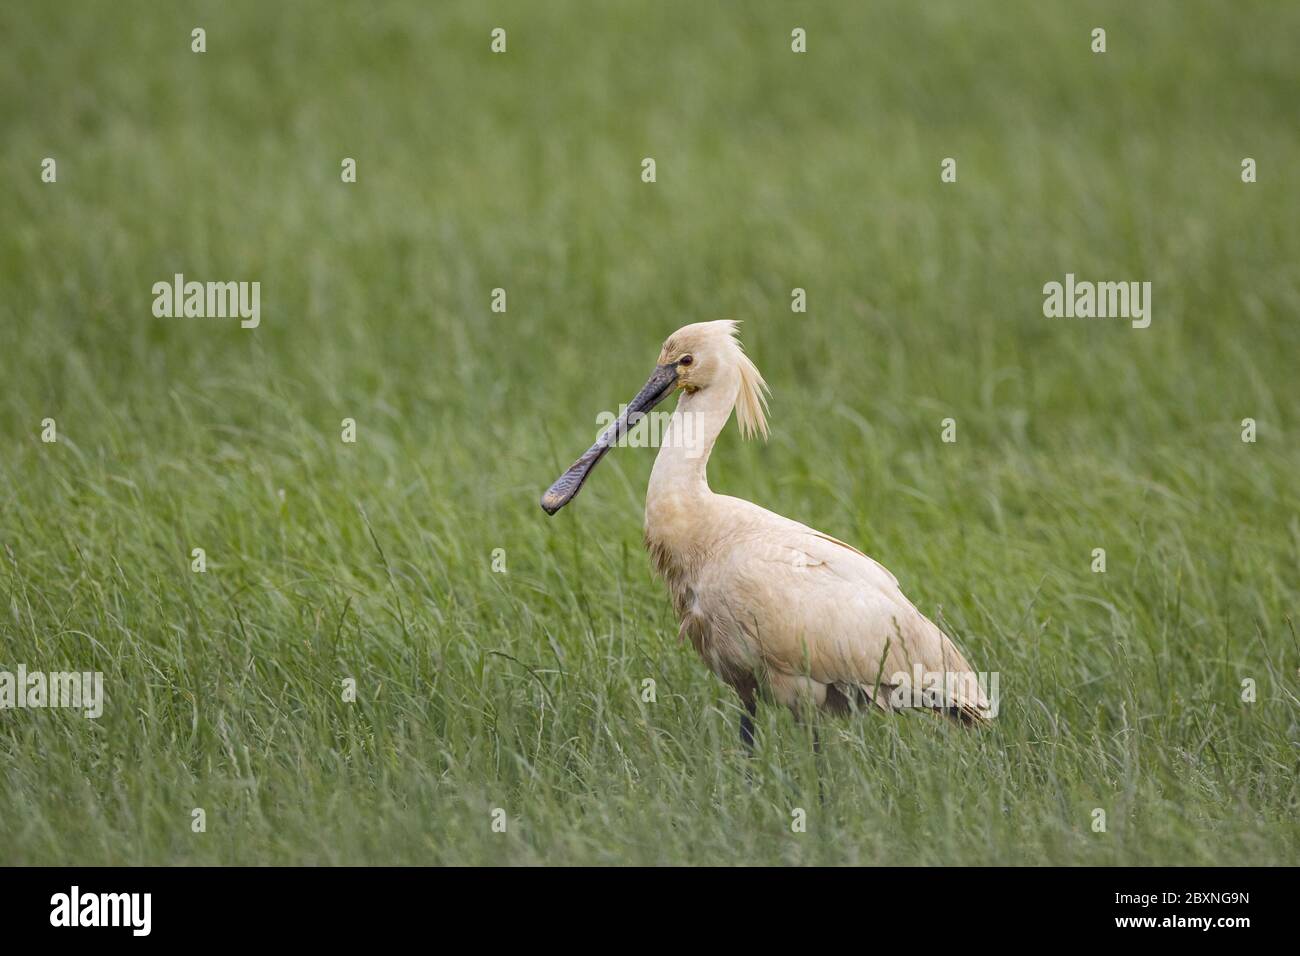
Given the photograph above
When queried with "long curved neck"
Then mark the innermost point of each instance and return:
(680, 471)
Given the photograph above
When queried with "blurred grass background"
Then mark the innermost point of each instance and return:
(521, 690)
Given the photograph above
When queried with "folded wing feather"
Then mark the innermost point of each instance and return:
(823, 609)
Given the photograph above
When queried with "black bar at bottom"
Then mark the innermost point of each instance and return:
(565, 906)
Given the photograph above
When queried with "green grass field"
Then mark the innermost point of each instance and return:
(521, 690)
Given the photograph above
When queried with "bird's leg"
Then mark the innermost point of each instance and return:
(747, 724)
(817, 763)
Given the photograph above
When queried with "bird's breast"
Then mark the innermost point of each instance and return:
(709, 611)
(710, 621)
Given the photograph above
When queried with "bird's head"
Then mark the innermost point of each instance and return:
(704, 355)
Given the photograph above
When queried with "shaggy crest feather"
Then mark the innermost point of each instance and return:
(751, 403)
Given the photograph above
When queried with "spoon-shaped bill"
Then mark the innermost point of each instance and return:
(569, 484)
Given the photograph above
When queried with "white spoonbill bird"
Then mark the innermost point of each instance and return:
(776, 609)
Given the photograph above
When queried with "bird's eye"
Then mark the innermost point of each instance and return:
(686, 360)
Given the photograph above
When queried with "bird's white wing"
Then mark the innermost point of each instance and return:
(818, 607)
